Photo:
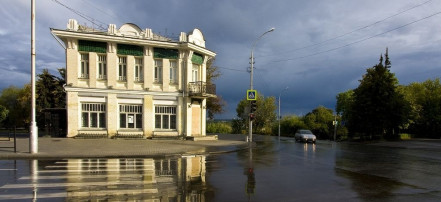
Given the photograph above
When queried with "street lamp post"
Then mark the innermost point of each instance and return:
(33, 139)
(280, 95)
(250, 139)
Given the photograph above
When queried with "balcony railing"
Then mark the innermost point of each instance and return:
(201, 89)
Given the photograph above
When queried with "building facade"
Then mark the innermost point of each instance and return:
(130, 82)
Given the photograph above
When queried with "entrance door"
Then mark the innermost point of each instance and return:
(196, 120)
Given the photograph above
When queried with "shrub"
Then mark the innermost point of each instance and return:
(219, 127)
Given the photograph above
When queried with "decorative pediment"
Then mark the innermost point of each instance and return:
(130, 29)
(196, 37)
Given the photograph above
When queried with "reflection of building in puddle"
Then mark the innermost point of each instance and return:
(181, 179)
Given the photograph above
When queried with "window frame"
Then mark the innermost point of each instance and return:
(195, 73)
(158, 70)
(102, 67)
(166, 117)
(139, 69)
(91, 112)
(127, 110)
(84, 66)
(122, 68)
(173, 71)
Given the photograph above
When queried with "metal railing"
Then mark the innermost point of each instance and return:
(200, 88)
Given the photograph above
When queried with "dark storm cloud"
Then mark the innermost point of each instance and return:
(319, 48)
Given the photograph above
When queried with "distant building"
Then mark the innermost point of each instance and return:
(130, 82)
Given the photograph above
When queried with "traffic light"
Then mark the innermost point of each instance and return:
(253, 106)
(251, 116)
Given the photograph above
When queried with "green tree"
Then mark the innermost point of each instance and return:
(50, 93)
(289, 125)
(265, 115)
(50, 90)
(17, 102)
(319, 121)
(214, 105)
(378, 108)
(345, 101)
(425, 105)
(3, 113)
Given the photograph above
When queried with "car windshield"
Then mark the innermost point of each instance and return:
(305, 132)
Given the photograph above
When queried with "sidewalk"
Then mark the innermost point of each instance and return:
(119, 148)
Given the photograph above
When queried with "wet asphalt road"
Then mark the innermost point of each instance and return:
(272, 170)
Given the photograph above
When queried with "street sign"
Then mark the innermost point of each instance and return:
(251, 94)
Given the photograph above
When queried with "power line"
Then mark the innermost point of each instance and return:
(356, 30)
(88, 18)
(113, 16)
(361, 40)
(238, 70)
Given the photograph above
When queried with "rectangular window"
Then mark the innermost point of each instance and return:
(158, 121)
(195, 73)
(102, 67)
(139, 70)
(158, 71)
(93, 115)
(165, 117)
(122, 69)
(84, 63)
(173, 72)
(130, 116)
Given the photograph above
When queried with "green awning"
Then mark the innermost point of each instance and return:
(125, 49)
(92, 46)
(165, 53)
(197, 59)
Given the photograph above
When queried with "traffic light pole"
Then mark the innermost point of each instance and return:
(250, 135)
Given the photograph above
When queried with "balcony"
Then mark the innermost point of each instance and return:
(201, 89)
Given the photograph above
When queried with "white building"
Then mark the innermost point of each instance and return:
(130, 82)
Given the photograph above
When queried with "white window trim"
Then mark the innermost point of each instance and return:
(104, 70)
(134, 118)
(195, 74)
(158, 74)
(84, 75)
(122, 61)
(89, 118)
(169, 118)
(173, 72)
(139, 68)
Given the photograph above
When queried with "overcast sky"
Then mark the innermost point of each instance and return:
(318, 49)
